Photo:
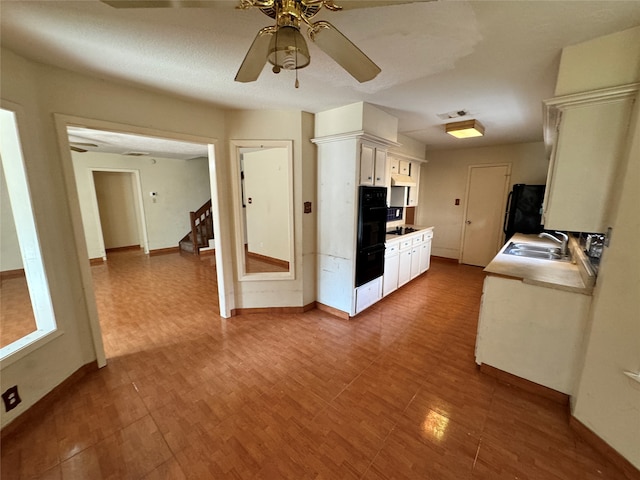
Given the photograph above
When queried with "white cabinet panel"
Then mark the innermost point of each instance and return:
(519, 334)
(391, 271)
(425, 255)
(585, 162)
(367, 161)
(415, 261)
(368, 294)
(404, 270)
(380, 168)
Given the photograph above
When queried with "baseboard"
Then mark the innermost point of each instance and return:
(7, 274)
(249, 311)
(163, 251)
(606, 450)
(444, 259)
(96, 261)
(207, 253)
(124, 249)
(43, 406)
(270, 260)
(526, 385)
(333, 311)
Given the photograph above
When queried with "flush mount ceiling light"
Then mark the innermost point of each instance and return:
(465, 129)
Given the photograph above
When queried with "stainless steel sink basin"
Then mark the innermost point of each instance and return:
(534, 251)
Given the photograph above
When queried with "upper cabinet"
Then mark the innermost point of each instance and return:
(373, 163)
(586, 135)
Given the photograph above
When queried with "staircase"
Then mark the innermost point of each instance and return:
(201, 230)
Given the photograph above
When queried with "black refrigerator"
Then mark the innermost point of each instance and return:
(524, 210)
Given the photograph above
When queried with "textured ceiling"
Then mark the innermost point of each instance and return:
(496, 60)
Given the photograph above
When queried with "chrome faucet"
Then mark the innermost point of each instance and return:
(563, 242)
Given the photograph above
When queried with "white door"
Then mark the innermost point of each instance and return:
(487, 189)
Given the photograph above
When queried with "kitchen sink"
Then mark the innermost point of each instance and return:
(535, 251)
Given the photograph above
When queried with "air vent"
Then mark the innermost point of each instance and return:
(453, 114)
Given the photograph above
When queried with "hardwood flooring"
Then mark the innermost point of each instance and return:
(16, 314)
(392, 394)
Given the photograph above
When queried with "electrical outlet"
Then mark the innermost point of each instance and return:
(11, 398)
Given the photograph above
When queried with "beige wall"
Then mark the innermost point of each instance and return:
(296, 126)
(444, 179)
(607, 401)
(182, 186)
(604, 62)
(10, 256)
(40, 92)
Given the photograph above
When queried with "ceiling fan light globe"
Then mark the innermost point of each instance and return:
(288, 49)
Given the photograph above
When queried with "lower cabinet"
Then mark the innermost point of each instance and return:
(391, 267)
(404, 267)
(425, 252)
(533, 332)
(368, 294)
(405, 259)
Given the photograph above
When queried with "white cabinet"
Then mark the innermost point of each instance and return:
(404, 268)
(372, 165)
(405, 196)
(416, 247)
(412, 197)
(405, 259)
(368, 294)
(588, 133)
(394, 166)
(425, 252)
(391, 268)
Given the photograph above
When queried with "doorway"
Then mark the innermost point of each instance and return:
(487, 189)
(120, 213)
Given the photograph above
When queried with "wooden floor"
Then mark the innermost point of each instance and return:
(392, 394)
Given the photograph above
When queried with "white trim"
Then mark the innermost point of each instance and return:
(19, 192)
(360, 135)
(62, 121)
(234, 147)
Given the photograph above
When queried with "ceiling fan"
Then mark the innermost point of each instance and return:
(282, 44)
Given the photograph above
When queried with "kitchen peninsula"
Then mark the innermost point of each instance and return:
(533, 316)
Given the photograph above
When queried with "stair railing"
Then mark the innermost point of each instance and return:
(201, 227)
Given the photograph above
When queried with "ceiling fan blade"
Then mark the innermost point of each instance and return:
(163, 3)
(256, 57)
(77, 149)
(343, 51)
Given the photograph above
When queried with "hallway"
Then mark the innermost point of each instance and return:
(392, 394)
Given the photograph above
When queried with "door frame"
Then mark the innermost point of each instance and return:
(222, 251)
(139, 206)
(466, 201)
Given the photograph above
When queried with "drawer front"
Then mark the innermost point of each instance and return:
(418, 240)
(391, 249)
(405, 244)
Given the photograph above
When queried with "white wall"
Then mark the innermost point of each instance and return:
(182, 187)
(444, 179)
(42, 91)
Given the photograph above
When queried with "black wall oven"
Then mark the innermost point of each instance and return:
(372, 222)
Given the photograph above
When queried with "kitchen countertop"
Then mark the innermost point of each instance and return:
(393, 238)
(571, 276)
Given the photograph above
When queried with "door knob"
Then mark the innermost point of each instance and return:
(468, 222)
